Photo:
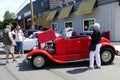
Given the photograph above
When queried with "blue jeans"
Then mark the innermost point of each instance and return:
(19, 46)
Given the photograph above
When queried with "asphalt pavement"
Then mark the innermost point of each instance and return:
(74, 71)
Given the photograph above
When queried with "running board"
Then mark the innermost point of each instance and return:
(78, 60)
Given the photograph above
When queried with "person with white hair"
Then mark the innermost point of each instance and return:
(96, 42)
(9, 42)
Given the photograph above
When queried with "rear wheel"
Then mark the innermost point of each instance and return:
(107, 55)
(38, 61)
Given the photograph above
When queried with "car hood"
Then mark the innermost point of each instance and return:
(46, 36)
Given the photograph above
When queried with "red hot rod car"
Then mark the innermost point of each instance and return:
(65, 50)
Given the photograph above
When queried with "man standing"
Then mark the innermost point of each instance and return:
(9, 42)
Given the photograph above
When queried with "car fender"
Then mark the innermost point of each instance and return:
(43, 52)
(105, 44)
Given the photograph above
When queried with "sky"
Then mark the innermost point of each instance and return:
(12, 6)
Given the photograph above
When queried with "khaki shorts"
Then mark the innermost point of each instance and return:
(9, 48)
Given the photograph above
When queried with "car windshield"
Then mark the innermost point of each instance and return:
(27, 33)
(32, 36)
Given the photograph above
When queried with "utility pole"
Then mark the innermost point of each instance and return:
(32, 14)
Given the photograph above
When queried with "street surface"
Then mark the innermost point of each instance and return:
(74, 71)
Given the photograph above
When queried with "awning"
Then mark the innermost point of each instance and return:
(51, 15)
(86, 7)
(43, 20)
(65, 12)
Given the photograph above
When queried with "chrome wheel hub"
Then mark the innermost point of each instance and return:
(39, 61)
(106, 56)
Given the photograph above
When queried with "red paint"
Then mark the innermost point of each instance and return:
(66, 49)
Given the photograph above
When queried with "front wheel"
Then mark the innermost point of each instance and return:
(107, 56)
(38, 61)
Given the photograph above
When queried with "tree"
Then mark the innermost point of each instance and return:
(9, 18)
(1, 25)
(13, 16)
(8, 15)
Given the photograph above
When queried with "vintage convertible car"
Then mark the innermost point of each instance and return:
(65, 50)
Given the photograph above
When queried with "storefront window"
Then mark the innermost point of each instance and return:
(88, 23)
(54, 26)
(68, 24)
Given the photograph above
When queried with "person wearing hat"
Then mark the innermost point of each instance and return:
(96, 41)
(9, 42)
(19, 38)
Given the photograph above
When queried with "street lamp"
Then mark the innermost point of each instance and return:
(32, 14)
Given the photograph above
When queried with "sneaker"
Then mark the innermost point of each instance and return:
(90, 68)
(7, 62)
(14, 60)
(97, 67)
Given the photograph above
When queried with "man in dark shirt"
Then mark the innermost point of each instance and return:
(9, 42)
(95, 40)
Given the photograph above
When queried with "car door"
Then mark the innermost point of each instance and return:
(77, 45)
(73, 45)
(84, 43)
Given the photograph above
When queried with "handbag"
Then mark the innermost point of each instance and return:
(92, 47)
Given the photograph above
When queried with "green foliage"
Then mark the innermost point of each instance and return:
(12, 21)
(8, 15)
(8, 18)
(1, 25)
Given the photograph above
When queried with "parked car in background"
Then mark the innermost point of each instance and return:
(31, 41)
(65, 50)
(27, 33)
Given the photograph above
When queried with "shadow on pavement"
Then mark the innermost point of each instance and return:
(78, 70)
(28, 67)
(78, 67)
(24, 66)
(68, 65)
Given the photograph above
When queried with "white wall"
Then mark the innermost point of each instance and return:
(105, 15)
(117, 22)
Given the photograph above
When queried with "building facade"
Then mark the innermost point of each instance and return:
(78, 14)
(56, 3)
(39, 8)
(83, 14)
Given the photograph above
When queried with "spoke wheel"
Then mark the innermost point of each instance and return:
(107, 55)
(38, 61)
